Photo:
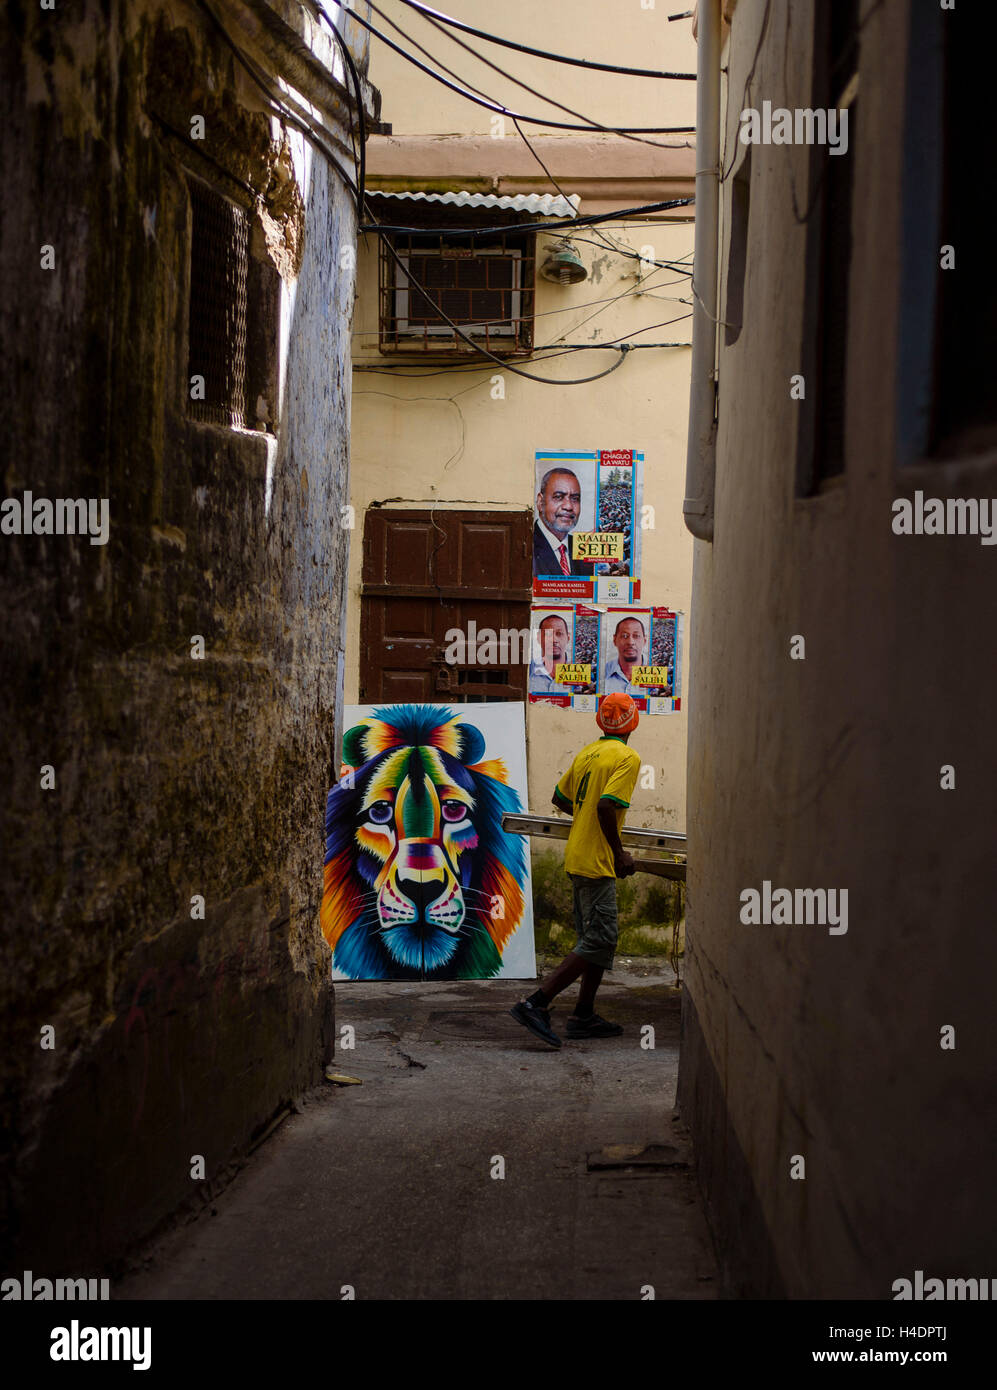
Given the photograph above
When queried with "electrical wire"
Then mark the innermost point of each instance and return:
(623, 347)
(747, 85)
(630, 290)
(488, 63)
(359, 155)
(684, 273)
(551, 350)
(277, 101)
(664, 298)
(193, 145)
(554, 227)
(361, 116)
(544, 313)
(542, 53)
(361, 174)
(390, 368)
(633, 132)
(448, 400)
(625, 337)
(502, 362)
(522, 135)
(636, 256)
(846, 50)
(276, 104)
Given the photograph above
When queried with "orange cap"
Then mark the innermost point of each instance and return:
(617, 714)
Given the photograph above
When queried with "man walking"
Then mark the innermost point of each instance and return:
(596, 790)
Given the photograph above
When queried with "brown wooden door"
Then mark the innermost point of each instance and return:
(427, 573)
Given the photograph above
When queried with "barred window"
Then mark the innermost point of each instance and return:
(233, 317)
(484, 285)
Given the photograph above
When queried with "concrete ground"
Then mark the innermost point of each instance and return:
(388, 1187)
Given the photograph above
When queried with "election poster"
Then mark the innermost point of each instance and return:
(640, 654)
(586, 524)
(564, 655)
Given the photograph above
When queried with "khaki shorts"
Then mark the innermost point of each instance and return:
(595, 919)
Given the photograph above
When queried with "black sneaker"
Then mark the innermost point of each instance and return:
(592, 1027)
(537, 1020)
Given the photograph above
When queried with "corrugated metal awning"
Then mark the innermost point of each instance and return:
(538, 204)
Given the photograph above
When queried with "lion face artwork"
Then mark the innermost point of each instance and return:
(421, 881)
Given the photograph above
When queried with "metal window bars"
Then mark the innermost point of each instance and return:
(484, 284)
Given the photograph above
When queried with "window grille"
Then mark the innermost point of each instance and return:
(484, 286)
(219, 273)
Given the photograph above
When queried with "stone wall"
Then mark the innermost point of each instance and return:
(174, 1036)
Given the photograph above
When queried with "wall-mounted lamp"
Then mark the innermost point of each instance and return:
(563, 264)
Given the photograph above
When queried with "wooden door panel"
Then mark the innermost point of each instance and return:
(405, 687)
(423, 576)
(398, 551)
(483, 556)
(406, 619)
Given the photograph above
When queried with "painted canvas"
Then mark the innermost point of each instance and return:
(421, 881)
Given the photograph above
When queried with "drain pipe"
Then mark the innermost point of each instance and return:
(701, 456)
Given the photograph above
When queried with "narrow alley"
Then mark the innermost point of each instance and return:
(387, 1188)
(495, 495)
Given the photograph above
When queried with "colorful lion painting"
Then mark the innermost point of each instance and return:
(421, 881)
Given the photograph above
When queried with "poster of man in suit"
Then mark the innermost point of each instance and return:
(585, 521)
(557, 512)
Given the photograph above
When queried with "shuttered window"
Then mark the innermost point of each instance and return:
(828, 213)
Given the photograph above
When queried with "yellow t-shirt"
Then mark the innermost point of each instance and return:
(605, 770)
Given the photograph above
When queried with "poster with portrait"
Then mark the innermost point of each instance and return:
(564, 655)
(586, 524)
(640, 655)
(421, 881)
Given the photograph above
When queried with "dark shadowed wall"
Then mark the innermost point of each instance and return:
(828, 771)
(174, 777)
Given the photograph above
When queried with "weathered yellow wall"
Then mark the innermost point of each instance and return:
(444, 439)
(419, 441)
(621, 33)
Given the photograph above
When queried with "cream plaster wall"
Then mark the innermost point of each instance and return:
(622, 33)
(444, 439)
